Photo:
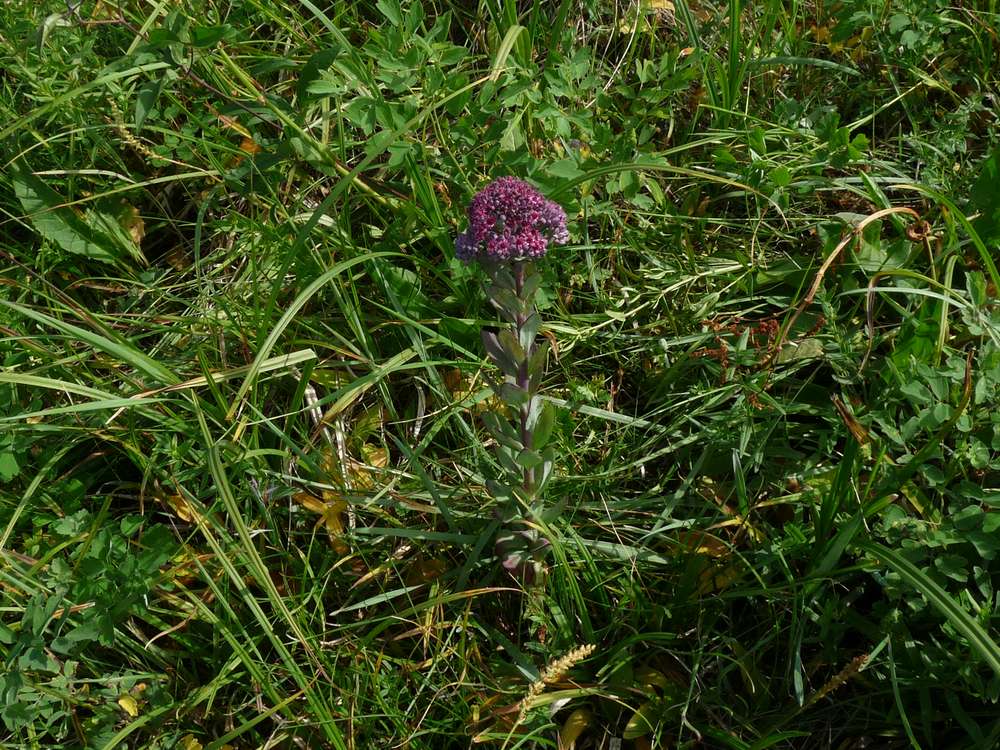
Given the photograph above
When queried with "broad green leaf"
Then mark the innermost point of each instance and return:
(390, 9)
(209, 36)
(8, 467)
(511, 345)
(16, 715)
(529, 331)
(565, 168)
(313, 68)
(528, 459)
(512, 395)
(60, 225)
(145, 99)
(985, 196)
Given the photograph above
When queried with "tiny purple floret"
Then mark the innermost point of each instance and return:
(508, 220)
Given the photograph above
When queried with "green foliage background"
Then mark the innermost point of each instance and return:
(242, 467)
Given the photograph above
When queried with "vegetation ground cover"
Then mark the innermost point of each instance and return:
(243, 466)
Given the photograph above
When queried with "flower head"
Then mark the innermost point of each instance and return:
(509, 219)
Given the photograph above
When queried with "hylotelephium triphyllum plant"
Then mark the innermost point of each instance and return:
(510, 225)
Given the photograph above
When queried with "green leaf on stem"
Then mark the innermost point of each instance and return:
(511, 345)
(545, 420)
(531, 283)
(499, 354)
(508, 459)
(503, 278)
(145, 100)
(501, 431)
(529, 459)
(506, 302)
(544, 472)
(513, 395)
(537, 362)
(535, 380)
(499, 490)
(529, 331)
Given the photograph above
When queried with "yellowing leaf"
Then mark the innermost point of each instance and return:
(129, 705)
(376, 456)
(360, 475)
(132, 223)
(230, 122)
(573, 727)
(309, 502)
(643, 721)
(650, 678)
(334, 523)
(713, 578)
(188, 742)
(330, 510)
(182, 508)
(703, 544)
(250, 146)
(103, 11)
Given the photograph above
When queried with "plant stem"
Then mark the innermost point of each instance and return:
(523, 375)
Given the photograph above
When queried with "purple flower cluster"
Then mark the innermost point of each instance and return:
(509, 219)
